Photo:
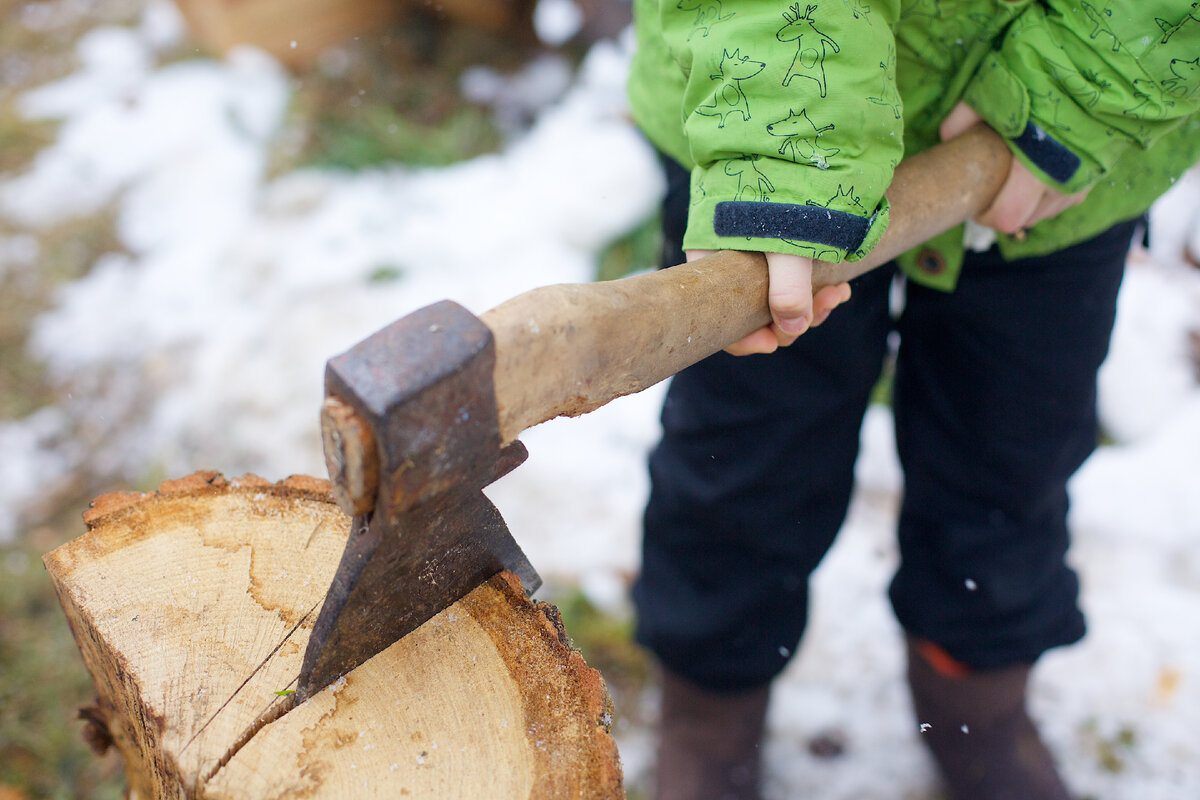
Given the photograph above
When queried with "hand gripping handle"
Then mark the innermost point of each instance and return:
(568, 349)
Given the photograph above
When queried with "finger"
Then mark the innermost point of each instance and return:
(1054, 203)
(837, 293)
(1016, 202)
(957, 121)
(827, 299)
(789, 294)
(1049, 206)
(762, 340)
(692, 255)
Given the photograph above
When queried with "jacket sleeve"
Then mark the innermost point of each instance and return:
(1078, 86)
(792, 120)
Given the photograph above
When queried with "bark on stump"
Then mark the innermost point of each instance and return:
(192, 607)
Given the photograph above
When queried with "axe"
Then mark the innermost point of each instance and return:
(422, 415)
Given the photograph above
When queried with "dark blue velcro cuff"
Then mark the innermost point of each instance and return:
(825, 226)
(1047, 154)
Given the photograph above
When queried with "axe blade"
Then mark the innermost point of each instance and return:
(393, 577)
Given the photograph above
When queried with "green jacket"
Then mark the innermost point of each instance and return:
(793, 116)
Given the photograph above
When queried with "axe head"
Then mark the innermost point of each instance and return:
(422, 389)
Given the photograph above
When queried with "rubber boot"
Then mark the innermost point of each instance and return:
(710, 743)
(976, 726)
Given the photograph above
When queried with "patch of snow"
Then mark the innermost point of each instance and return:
(39, 457)
(1146, 489)
(120, 129)
(17, 255)
(517, 99)
(235, 289)
(1175, 221)
(1149, 373)
(203, 346)
(556, 21)
(162, 26)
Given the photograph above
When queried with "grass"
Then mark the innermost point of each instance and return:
(35, 55)
(20, 139)
(1112, 748)
(42, 678)
(392, 98)
(637, 250)
(64, 252)
(42, 751)
(370, 134)
(606, 642)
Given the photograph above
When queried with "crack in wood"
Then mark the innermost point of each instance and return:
(274, 710)
(316, 529)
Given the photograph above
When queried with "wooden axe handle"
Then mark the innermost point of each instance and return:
(568, 349)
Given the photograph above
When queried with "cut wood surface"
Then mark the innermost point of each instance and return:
(192, 607)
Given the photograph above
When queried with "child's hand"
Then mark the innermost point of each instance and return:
(1023, 200)
(794, 307)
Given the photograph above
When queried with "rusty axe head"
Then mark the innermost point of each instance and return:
(411, 437)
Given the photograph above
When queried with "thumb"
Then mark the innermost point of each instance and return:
(790, 292)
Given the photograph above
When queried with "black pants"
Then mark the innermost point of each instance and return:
(994, 401)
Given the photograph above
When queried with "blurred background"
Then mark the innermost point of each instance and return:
(202, 201)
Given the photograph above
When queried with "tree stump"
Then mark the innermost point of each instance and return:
(192, 607)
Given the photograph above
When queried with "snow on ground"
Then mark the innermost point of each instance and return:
(203, 347)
